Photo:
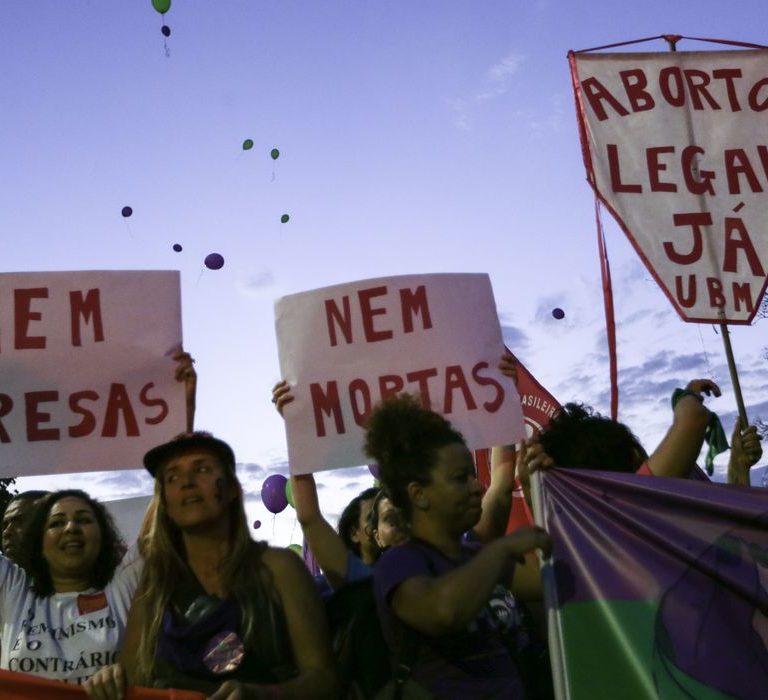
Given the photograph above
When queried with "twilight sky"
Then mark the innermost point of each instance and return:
(415, 136)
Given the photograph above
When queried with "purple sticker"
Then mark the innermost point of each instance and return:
(224, 653)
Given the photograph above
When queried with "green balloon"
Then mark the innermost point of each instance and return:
(247, 144)
(284, 219)
(162, 6)
(274, 153)
(289, 493)
(296, 548)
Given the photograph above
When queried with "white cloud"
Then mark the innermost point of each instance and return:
(494, 84)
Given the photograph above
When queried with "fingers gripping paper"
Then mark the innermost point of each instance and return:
(344, 348)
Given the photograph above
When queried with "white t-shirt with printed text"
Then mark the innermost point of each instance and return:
(66, 636)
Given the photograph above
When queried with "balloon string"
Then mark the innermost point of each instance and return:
(293, 529)
(199, 276)
(704, 350)
(128, 226)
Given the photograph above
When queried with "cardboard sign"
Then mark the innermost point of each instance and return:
(676, 147)
(87, 370)
(346, 347)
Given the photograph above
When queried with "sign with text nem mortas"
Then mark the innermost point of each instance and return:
(344, 348)
(676, 147)
(87, 369)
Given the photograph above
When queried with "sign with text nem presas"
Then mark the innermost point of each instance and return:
(87, 370)
(344, 348)
(676, 147)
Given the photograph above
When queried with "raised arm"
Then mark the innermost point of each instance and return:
(326, 544)
(677, 453)
(440, 605)
(185, 372)
(497, 500)
(745, 453)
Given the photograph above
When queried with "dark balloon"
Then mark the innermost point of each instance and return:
(166, 30)
(214, 261)
(558, 313)
(273, 493)
(284, 219)
(374, 469)
(256, 524)
(126, 212)
(177, 247)
(274, 153)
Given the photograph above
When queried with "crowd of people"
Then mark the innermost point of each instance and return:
(423, 593)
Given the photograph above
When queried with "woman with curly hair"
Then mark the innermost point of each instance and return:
(216, 611)
(63, 608)
(445, 611)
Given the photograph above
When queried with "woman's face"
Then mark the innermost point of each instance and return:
(454, 495)
(390, 530)
(71, 539)
(196, 488)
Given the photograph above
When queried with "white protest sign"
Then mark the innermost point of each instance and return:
(344, 348)
(87, 370)
(676, 146)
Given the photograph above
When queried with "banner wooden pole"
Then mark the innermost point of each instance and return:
(734, 374)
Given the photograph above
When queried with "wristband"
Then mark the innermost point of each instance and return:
(678, 394)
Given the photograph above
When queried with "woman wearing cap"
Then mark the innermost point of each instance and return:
(216, 611)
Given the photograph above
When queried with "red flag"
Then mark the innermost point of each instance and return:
(22, 686)
(538, 408)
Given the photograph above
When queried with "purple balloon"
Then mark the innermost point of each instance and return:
(558, 313)
(256, 524)
(273, 493)
(374, 469)
(177, 247)
(214, 261)
(166, 30)
(126, 212)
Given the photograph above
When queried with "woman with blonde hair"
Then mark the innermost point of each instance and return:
(216, 611)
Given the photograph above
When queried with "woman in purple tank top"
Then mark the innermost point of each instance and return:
(216, 611)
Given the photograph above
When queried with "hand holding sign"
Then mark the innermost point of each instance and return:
(345, 348)
(87, 386)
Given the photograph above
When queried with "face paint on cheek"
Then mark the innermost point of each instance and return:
(220, 484)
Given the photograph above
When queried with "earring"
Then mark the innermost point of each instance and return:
(422, 503)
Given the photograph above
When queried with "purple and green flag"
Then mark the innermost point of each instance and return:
(657, 588)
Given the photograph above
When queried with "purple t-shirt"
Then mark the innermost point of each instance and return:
(472, 663)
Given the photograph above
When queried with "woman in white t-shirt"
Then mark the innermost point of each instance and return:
(63, 608)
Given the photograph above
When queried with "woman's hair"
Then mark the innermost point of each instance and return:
(349, 520)
(31, 557)
(580, 437)
(403, 438)
(243, 574)
(373, 517)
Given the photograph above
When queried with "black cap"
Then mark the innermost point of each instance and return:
(159, 455)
